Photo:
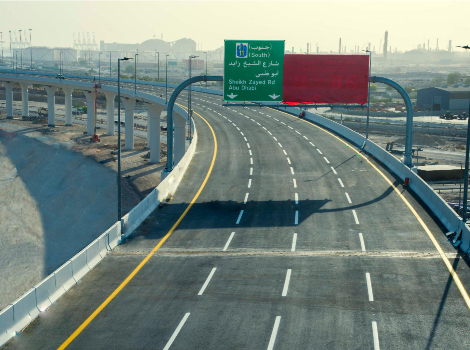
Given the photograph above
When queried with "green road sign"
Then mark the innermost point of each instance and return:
(253, 70)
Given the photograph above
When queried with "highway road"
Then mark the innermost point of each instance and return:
(280, 236)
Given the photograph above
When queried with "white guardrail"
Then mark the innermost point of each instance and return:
(16, 316)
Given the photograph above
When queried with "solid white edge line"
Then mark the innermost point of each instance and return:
(228, 241)
(239, 217)
(355, 217)
(375, 333)
(246, 198)
(340, 182)
(175, 333)
(286, 283)
(326, 160)
(249, 183)
(294, 242)
(363, 246)
(296, 217)
(295, 183)
(369, 287)
(272, 340)
(334, 171)
(296, 198)
(347, 196)
(208, 279)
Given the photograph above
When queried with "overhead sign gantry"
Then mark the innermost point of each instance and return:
(253, 70)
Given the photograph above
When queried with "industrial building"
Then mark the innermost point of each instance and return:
(455, 99)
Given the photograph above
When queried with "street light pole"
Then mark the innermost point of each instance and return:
(1, 43)
(166, 79)
(465, 179)
(368, 92)
(119, 139)
(135, 73)
(30, 48)
(110, 64)
(206, 67)
(189, 97)
(11, 54)
(158, 64)
(99, 68)
(21, 48)
(60, 63)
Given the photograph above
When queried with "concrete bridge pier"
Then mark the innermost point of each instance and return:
(110, 125)
(24, 99)
(153, 131)
(129, 104)
(180, 139)
(90, 112)
(68, 105)
(50, 105)
(9, 98)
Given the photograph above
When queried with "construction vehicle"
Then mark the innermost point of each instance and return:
(42, 112)
(77, 111)
(448, 116)
(462, 115)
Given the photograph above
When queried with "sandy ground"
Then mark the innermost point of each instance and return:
(57, 193)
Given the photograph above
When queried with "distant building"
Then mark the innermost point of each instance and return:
(47, 54)
(455, 98)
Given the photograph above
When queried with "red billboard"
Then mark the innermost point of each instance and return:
(325, 79)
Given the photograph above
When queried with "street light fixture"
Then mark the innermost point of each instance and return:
(465, 185)
(119, 139)
(368, 92)
(135, 73)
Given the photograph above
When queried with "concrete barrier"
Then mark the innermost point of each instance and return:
(24, 310)
(6, 324)
(93, 256)
(64, 280)
(79, 266)
(44, 289)
(113, 234)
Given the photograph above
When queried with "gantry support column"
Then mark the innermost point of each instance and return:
(90, 112)
(68, 105)
(24, 99)
(50, 105)
(180, 139)
(153, 131)
(110, 96)
(129, 104)
(9, 99)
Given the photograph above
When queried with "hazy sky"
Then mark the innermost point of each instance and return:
(210, 22)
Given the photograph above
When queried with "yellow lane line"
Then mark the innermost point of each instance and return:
(454, 274)
(147, 258)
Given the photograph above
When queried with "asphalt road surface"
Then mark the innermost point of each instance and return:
(294, 240)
